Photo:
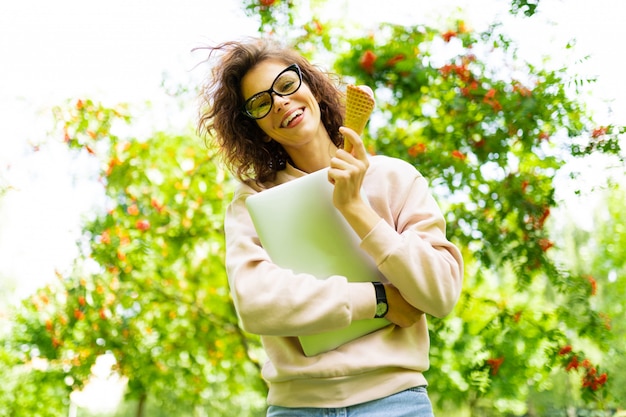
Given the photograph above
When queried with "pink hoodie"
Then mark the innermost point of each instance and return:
(410, 248)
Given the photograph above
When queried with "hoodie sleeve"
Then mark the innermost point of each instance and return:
(274, 301)
(410, 247)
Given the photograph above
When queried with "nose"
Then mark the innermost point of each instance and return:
(279, 101)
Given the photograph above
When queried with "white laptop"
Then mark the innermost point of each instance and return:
(301, 230)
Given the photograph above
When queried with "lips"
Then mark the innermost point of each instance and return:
(291, 116)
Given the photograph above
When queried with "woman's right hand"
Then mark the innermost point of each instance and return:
(400, 311)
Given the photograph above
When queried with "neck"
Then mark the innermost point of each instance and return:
(313, 156)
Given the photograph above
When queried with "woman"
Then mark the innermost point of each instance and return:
(276, 117)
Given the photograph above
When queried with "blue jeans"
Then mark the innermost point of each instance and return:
(413, 402)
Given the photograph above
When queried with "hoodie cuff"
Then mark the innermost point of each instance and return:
(363, 300)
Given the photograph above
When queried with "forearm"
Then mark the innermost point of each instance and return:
(361, 217)
(287, 304)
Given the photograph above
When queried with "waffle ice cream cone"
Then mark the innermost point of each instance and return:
(359, 106)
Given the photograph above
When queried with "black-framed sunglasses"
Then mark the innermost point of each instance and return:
(286, 83)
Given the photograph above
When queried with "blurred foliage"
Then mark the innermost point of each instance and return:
(599, 252)
(489, 131)
(152, 289)
(528, 8)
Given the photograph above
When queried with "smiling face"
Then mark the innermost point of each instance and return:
(294, 119)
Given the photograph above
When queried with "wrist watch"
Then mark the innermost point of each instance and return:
(381, 300)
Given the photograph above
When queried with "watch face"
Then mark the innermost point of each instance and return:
(381, 309)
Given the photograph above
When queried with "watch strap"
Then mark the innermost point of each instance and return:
(381, 300)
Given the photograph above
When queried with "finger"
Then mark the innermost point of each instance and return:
(352, 141)
(347, 143)
(336, 175)
(349, 164)
(345, 163)
(338, 166)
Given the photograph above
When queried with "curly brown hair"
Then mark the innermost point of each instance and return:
(244, 146)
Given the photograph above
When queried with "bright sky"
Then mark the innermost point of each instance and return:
(118, 51)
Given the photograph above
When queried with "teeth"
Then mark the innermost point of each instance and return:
(291, 117)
